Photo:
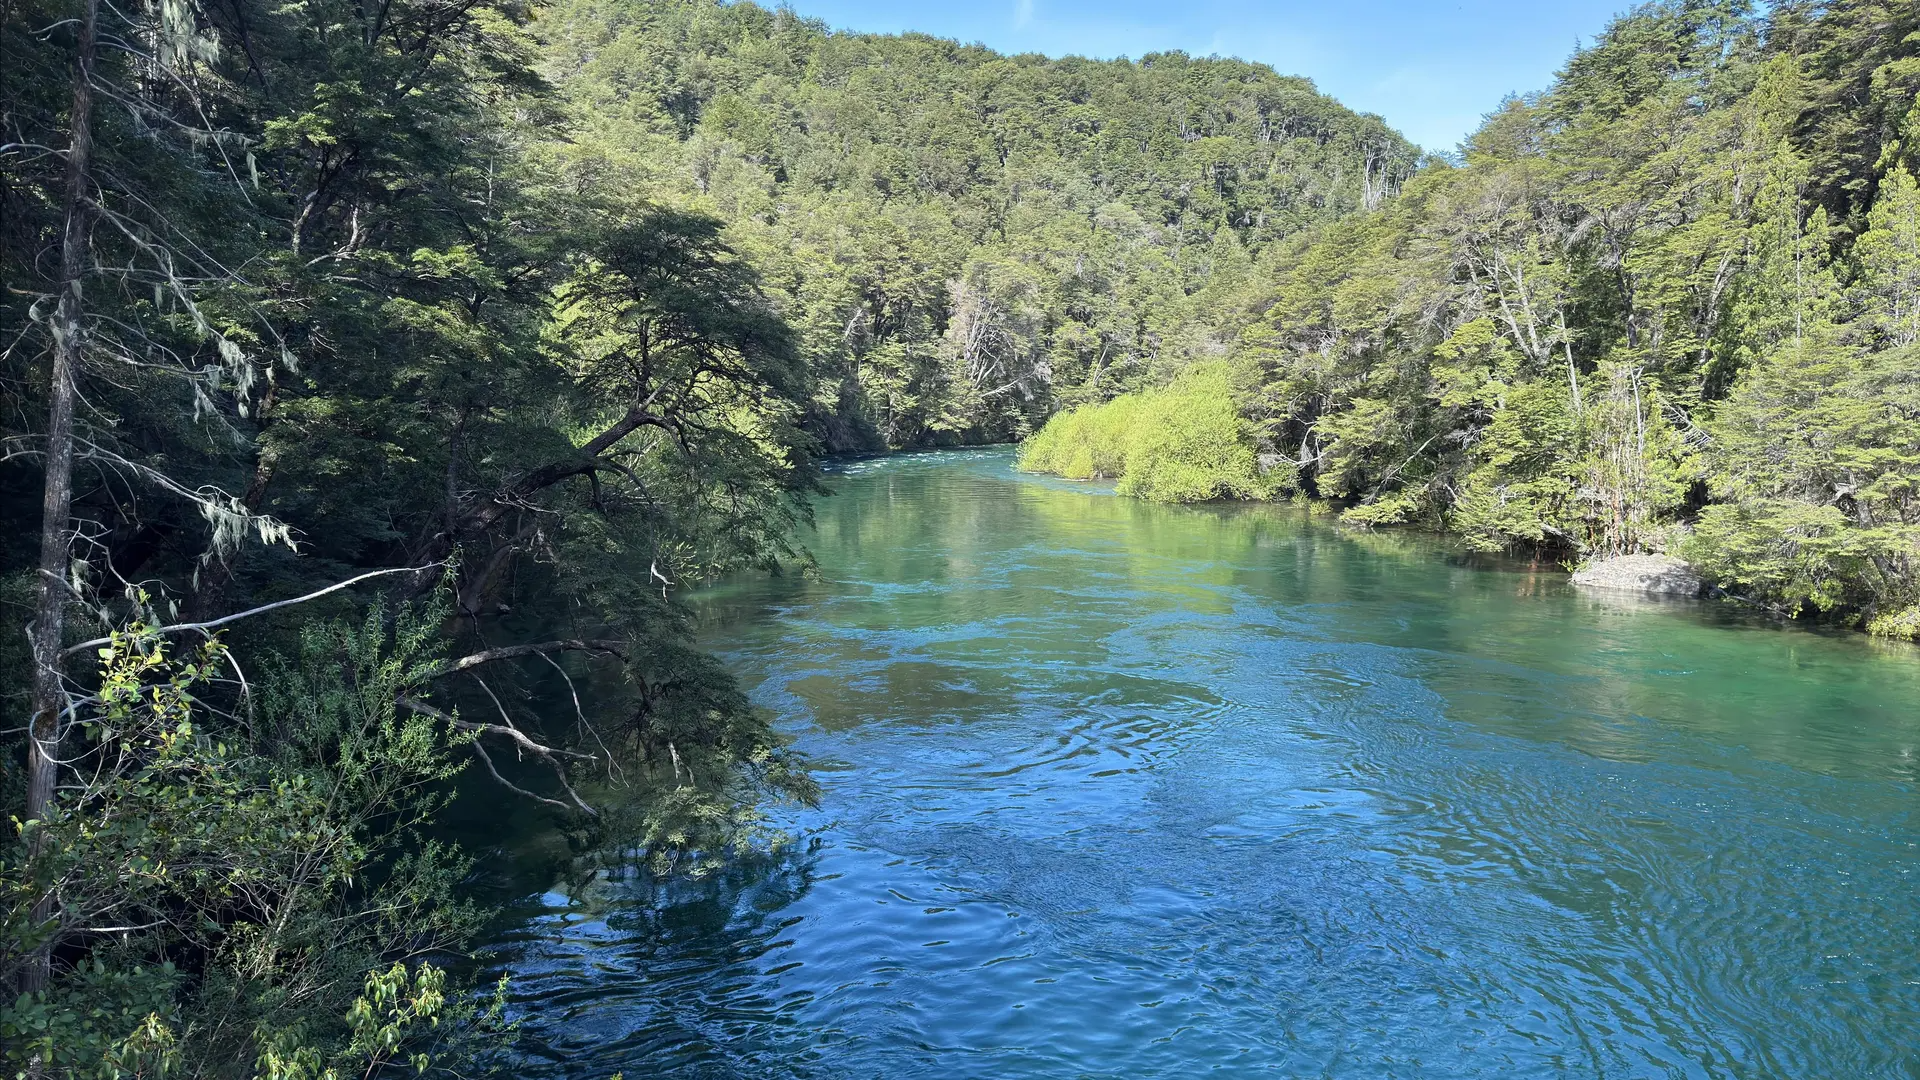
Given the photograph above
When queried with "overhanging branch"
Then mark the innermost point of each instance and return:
(609, 646)
(212, 624)
(550, 755)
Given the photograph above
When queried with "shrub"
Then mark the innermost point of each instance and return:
(1185, 442)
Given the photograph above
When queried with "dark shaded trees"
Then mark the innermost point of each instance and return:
(334, 301)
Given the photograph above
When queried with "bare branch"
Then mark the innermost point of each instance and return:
(609, 646)
(518, 736)
(481, 752)
(202, 627)
(581, 714)
(549, 754)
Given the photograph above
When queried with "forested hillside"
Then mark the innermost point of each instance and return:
(1669, 304)
(963, 240)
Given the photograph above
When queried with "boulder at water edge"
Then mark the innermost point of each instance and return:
(1661, 575)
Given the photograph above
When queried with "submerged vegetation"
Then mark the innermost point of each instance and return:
(377, 376)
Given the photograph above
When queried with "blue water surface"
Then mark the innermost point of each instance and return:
(1122, 790)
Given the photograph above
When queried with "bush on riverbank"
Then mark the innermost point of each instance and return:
(1184, 442)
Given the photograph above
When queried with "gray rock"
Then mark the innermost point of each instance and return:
(1661, 575)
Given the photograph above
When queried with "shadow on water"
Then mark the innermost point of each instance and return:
(1116, 789)
(684, 958)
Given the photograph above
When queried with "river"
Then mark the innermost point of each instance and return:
(1123, 790)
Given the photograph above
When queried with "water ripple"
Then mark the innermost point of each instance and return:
(1127, 791)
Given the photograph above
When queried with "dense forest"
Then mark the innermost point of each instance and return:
(1670, 304)
(962, 241)
(377, 376)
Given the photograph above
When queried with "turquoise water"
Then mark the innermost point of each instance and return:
(1123, 790)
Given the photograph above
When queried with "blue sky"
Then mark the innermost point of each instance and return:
(1432, 69)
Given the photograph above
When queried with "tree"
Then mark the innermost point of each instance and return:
(1818, 468)
(1888, 287)
(156, 321)
(379, 312)
(967, 240)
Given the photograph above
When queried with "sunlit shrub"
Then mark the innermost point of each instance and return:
(1185, 442)
(1087, 443)
(1903, 624)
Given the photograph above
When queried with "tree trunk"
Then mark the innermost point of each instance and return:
(56, 508)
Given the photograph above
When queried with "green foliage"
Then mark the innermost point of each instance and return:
(1188, 443)
(1521, 488)
(277, 852)
(401, 1015)
(568, 300)
(465, 337)
(1789, 552)
(1084, 443)
(963, 239)
(1669, 303)
(1632, 315)
(101, 1023)
(1818, 459)
(1888, 285)
(1185, 442)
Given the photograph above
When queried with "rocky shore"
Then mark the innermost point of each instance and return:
(1660, 575)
